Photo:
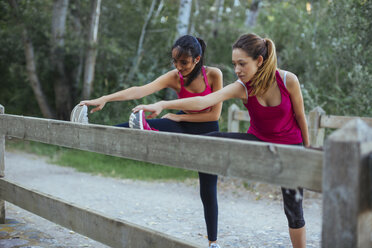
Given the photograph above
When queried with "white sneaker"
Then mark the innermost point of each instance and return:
(214, 245)
(138, 121)
(79, 114)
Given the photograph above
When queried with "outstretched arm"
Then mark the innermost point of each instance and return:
(294, 89)
(132, 93)
(234, 90)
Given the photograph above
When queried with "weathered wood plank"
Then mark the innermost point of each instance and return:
(97, 226)
(232, 122)
(334, 121)
(2, 168)
(2, 147)
(346, 209)
(316, 133)
(288, 166)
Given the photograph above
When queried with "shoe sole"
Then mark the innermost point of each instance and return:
(135, 120)
(79, 114)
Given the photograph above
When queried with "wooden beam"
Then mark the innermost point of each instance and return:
(316, 132)
(97, 226)
(288, 166)
(333, 121)
(347, 216)
(2, 169)
(232, 122)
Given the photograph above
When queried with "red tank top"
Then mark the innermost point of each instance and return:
(274, 124)
(184, 93)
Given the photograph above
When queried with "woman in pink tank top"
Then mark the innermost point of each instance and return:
(189, 79)
(274, 101)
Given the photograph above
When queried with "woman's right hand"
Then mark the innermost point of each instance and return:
(155, 109)
(99, 102)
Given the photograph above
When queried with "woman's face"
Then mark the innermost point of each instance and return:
(245, 67)
(184, 64)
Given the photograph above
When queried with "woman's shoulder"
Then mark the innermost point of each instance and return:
(171, 75)
(292, 83)
(212, 69)
(213, 72)
(291, 78)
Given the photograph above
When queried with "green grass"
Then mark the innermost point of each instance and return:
(99, 164)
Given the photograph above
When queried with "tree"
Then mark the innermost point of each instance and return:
(252, 13)
(31, 65)
(184, 13)
(138, 57)
(62, 88)
(90, 59)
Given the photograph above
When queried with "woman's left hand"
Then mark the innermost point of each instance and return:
(155, 109)
(172, 117)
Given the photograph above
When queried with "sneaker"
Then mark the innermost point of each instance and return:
(138, 121)
(79, 114)
(214, 245)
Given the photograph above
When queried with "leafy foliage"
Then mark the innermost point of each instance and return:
(329, 49)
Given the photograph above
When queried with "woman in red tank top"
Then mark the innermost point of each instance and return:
(275, 104)
(190, 78)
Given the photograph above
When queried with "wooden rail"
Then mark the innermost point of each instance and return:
(341, 172)
(112, 232)
(288, 166)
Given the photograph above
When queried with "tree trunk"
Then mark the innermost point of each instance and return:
(217, 17)
(90, 59)
(252, 13)
(62, 87)
(194, 17)
(184, 13)
(31, 66)
(160, 7)
(77, 71)
(139, 54)
(34, 79)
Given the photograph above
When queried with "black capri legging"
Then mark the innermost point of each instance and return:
(292, 198)
(207, 182)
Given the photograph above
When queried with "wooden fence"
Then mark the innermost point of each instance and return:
(341, 172)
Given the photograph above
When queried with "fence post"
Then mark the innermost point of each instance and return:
(232, 125)
(2, 168)
(347, 215)
(316, 133)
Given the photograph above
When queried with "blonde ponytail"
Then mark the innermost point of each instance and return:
(265, 76)
(255, 46)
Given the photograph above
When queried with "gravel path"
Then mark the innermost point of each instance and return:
(248, 216)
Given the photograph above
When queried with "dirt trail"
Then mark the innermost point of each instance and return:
(247, 217)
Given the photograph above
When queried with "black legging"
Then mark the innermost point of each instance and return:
(292, 202)
(208, 182)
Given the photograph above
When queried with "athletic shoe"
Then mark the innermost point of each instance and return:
(79, 114)
(138, 121)
(214, 245)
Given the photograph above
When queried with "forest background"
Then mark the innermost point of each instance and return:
(55, 53)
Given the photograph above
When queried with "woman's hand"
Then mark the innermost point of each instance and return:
(172, 117)
(99, 102)
(155, 109)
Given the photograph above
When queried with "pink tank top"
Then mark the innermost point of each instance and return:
(274, 124)
(184, 93)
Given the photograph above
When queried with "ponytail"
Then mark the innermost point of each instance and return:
(255, 46)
